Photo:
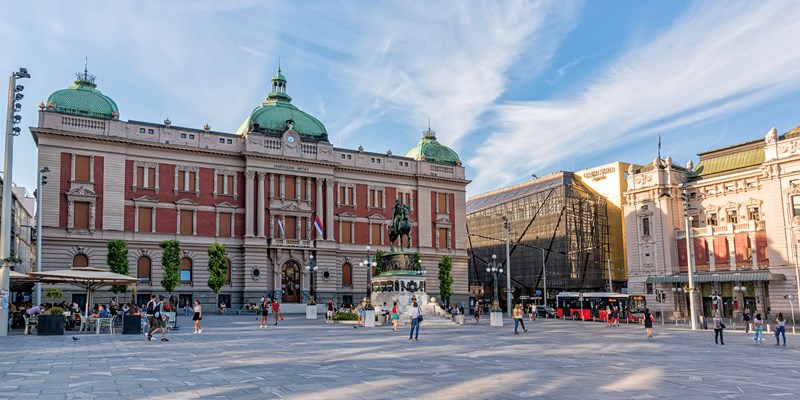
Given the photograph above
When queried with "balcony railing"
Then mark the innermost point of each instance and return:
(724, 229)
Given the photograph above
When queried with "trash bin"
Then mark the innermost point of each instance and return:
(131, 324)
(705, 322)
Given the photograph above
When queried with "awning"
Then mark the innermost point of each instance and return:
(705, 277)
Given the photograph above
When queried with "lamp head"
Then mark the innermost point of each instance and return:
(494, 256)
(369, 248)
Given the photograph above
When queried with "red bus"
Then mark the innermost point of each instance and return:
(591, 306)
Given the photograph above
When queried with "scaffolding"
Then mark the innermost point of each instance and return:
(554, 220)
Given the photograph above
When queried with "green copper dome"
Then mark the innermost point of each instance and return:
(83, 99)
(429, 149)
(277, 115)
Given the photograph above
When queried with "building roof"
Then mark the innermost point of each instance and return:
(83, 99)
(429, 149)
(747, 156)
(277, 115)
(506, 194)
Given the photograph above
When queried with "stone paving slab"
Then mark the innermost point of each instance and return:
(308, 359)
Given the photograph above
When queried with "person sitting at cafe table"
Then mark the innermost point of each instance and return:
(102, 312)
(35, 310)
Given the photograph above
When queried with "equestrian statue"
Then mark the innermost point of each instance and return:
(400, 226)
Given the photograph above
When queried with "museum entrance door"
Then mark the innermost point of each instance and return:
(290, 284)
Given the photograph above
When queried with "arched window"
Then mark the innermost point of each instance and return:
(186, 270)
(80, 261)
(347, 275)
(144, 268)
(228, 273)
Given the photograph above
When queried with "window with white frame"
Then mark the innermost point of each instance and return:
(82, 168)
(375, 197)
(187, 179)
(225, 183)
(145, 175)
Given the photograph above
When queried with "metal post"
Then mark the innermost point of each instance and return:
(38, 291)
(496, 302)
(544, 276)
(690, 256)
(791, 304)
(5, 229)
(610, 286)
(508, 271)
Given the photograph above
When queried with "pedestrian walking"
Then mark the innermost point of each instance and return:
(780, 330)
(615, 316)
(416, 317)
(276, 310)
(197, 317)
(746, 320)
(648, 322)
(265, 305)
(360, 312)
(518, 319)
(758, 329)
(395, 317)
(718, 328)
(156, 318)
(476, 313)
(608, 316)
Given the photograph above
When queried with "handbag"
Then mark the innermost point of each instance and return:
(721, 325)
(281, 316)
(419, 318)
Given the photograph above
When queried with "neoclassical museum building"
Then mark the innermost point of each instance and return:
(742, 203)
(275, 192)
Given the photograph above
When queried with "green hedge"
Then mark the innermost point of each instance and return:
(345, 316)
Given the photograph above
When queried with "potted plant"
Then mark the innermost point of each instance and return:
(51, 323)
(55, 294)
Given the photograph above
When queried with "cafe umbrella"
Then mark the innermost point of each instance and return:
(88, 278)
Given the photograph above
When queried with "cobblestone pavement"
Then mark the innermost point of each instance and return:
(307, 359)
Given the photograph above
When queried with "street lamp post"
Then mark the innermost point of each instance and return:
(14, 96)
(40, 182)
(790, 297)
(311, 306)
(544, 277)
(369, 264)
(496, 313)
(689, 256)
(508, 268)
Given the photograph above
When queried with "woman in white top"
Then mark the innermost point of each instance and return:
(758, 329)
(414, 313)
(780, 330)
(198, 315)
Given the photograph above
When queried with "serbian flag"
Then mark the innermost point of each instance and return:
(281, 225)
(318, 225)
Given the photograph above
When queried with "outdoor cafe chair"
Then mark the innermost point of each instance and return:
(31, 322)
(106, 323)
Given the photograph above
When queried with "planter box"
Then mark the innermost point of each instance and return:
(131, 324)
(50, 325)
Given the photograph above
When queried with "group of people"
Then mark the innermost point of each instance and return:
(612, 316)
(266, 305)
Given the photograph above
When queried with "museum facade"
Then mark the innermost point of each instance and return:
(275, 192)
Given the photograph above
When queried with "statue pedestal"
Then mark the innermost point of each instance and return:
(369, 318)
(401, 287)
(496, 318)
(311, 312)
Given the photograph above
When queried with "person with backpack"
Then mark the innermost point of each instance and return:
(155, 318)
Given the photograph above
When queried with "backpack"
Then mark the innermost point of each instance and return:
(151, 308)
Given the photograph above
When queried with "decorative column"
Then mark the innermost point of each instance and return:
(248, 203)
(260, 213)
(319, 205)
(329, 209)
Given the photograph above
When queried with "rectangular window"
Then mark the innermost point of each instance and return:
(303, 230)
(351, 196)
(230, 141)
(221, 140)
(187, 222)
(303, 194)
(733, 216)
(182, 181)
(289, 188)
(183, 136)
(645, 226)
(753, 214)
(377, 232)
(140, 176)
(220, 184)
(191, 136)
(145, 219)
(192, 177)
(796, 206)
(81, 215)
(347, 236)
(186, 181)
(376, 198)
(143, 268)
(82, 164)
(442, 238)
(141, 130)
(291, 227)
(151, 177)
(711, 219)
(342, 196)
(229, 185)
(225, 224)
(441, 202)
(150, 131)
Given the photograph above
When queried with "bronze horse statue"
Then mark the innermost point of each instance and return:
(400, 226)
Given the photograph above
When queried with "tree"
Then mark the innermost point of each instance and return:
(445, 279)
(379, 262)
(217, 268)
(117, 261)
(170, 263)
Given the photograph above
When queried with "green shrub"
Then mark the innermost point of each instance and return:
(345, 316)
(56, 311)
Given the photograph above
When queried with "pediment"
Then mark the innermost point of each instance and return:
(376, 216)
(225, 204)
(187, 202)
(347, 215)
(81, 191)
(443, 220)
(144, 199)
(291, 207)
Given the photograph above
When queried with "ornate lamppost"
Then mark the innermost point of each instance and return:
(496, 313)
(369, 264)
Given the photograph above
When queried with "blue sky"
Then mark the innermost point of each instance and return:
(515, 87)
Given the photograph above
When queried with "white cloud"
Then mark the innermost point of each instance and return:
(715, 60)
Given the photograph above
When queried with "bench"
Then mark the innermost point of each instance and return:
(244, 311)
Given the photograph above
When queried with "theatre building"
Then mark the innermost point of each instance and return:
(275, 192)
(742, 203)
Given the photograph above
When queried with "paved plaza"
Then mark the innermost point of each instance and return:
(307, 359)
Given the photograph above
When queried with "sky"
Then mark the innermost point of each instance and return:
(516, 88)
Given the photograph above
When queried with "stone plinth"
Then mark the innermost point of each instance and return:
(311, 312)
(369, 318)
(399, 286)
(496, 318)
